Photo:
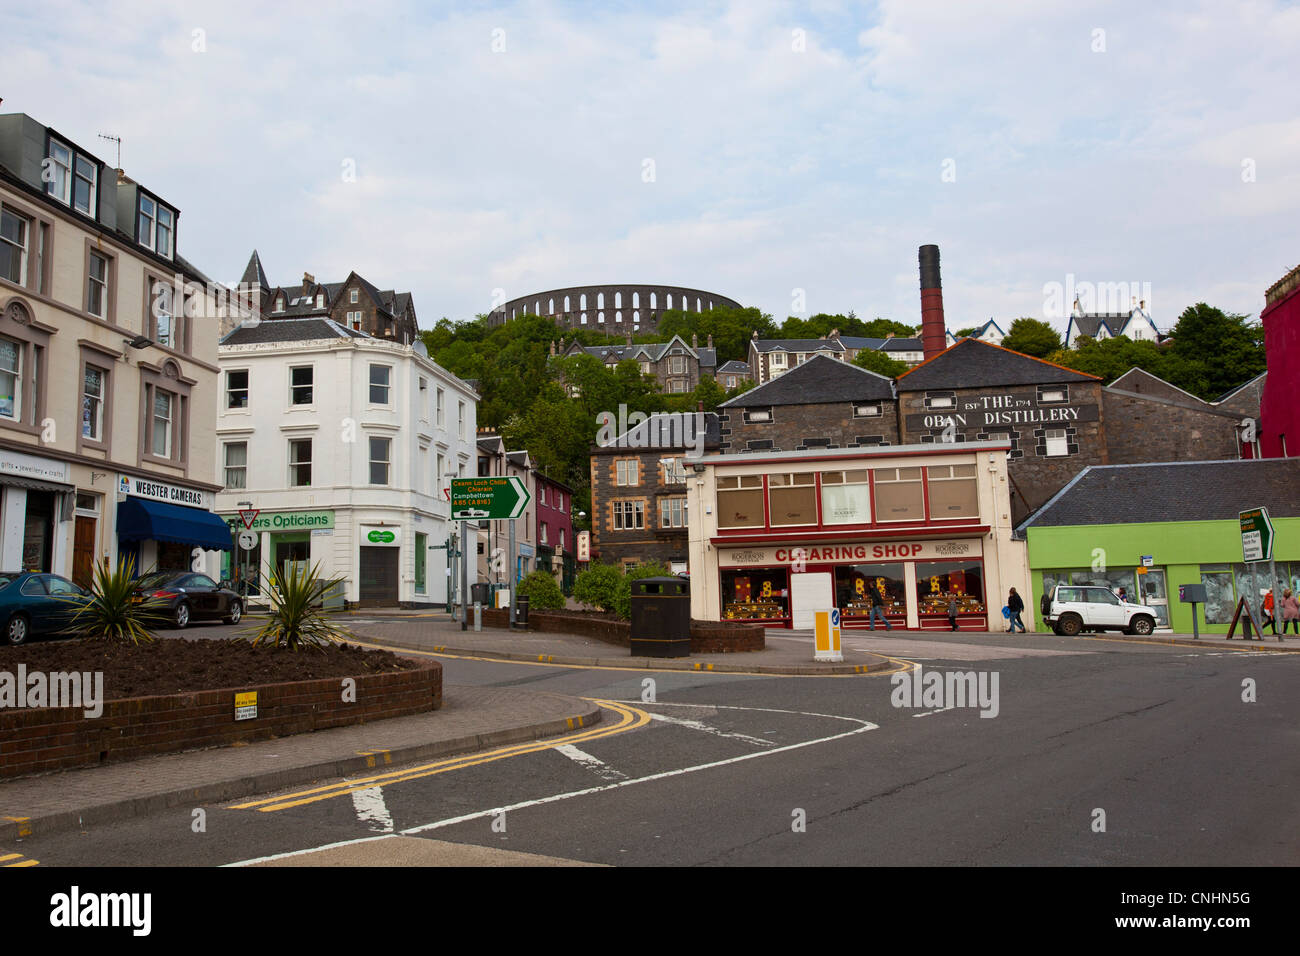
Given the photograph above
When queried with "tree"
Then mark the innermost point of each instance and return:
(962, 333)
(881, 328)
(1032, 337)
(1217, 350)
(1110, 358)
(879, 362)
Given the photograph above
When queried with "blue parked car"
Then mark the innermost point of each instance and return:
(34, 603)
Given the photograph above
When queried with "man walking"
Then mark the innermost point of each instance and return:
(1017, 606)
(873, 598)
(952, 611)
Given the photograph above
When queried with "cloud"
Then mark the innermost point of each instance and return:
(504, 145)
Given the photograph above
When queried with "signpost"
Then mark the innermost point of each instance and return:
(1256, 545)
(501, 498)
(488, 498)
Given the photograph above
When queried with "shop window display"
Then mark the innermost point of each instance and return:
(760, 594)
(937, 582)
(853, 584)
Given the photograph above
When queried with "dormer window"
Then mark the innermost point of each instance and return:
(320, 300)
(155, 226)
(279, 303)
(71, 178)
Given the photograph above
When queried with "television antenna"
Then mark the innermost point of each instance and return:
(118, 141)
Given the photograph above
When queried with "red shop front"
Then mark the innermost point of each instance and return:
(913, 583)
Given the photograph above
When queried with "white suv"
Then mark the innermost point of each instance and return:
(1070, 609)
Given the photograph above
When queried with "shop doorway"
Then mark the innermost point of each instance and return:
(38, 531)
(83, 551)
(1151, 587)
(809, 592)
(292, 553)
(378, 578)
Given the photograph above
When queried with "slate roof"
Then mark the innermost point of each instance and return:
(649, 351)
(795, 345)
(859, 342)
(639, 436)
(819, 381)
(975, 364)
(254, 273)
(1173, 491)
(902, 345)
(290, 330)
(735, 365)
(1233, 391)
(1090, 323)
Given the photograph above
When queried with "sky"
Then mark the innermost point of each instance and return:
(778, 154)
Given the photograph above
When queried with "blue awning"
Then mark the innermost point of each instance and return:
(139, 519)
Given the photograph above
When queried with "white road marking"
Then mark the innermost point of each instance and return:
(931, 713)
(370, 807)
(705, 728)
(594, 764)
(863, 727)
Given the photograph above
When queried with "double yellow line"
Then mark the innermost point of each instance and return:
(16, 859)
(630, 718)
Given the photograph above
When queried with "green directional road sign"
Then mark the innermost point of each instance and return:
(488, 498)
(1256, 535)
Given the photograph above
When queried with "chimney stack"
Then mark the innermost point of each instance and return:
(695, 341)
(933, 334)
(710, 345)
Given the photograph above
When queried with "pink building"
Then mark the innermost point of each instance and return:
(1279, 416)
(556, 546)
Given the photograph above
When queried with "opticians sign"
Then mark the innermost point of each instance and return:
(852, 553)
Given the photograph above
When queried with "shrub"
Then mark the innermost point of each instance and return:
(623, 606)
(542, 592)
(599, 587)
(112, 612)
(297, 618)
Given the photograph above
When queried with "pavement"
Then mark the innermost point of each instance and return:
(470, 719)
(438, 634)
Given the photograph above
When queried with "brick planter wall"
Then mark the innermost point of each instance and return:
(707, 637)
(43, 739)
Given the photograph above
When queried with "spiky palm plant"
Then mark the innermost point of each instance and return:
(114, 610)
(297, 617)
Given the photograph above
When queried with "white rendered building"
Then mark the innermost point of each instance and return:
(343, 442)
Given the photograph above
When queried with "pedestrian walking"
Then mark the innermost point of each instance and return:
(873, 598)
(952, 611)
(1290, 611)
(1269, 619)
(1017, 606)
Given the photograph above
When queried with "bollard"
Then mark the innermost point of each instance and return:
(478, 616)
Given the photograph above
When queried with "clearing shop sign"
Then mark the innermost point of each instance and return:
(852, 553)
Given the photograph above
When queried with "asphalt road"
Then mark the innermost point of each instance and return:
(1100, 753)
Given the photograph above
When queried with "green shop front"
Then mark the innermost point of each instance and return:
(282, 539)
(1151, 560)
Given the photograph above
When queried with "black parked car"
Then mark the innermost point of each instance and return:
(185, 596)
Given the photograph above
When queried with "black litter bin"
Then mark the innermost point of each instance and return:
(661, 617)
(521, 610)
(481, 593)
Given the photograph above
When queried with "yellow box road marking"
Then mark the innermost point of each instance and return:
(630, 718)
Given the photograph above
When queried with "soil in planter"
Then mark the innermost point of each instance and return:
(177, 666)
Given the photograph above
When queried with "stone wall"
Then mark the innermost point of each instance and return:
(61, 738)
(803, 427)
(1142, 428)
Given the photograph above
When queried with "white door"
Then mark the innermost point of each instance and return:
(810, 592)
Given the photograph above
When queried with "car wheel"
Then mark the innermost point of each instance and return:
(236, 612)
(1141, 625)
(18, 629)
(181, 616)
(1069, 625)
